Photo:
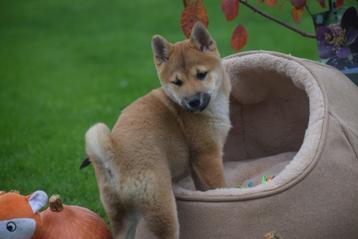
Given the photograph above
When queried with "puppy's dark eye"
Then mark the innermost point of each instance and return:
(201, 75)
(177, 82)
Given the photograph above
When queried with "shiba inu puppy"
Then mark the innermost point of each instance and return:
(160, 136)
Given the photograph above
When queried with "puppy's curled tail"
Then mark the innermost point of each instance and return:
(98, 144)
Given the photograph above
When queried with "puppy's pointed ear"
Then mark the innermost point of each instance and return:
(201, 38)
(161, 49)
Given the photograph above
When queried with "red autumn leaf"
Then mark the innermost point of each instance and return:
(298, 3)
(339, 3)
(192, 13)
(230, 8)
(239, 37)
(270, 3)
(322, 3)
(297, 14)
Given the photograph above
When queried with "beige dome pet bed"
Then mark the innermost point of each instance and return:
(290, 159)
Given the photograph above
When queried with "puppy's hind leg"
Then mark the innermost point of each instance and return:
(123, 220)
(160, 213)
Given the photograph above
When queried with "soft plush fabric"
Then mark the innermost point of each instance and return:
(240, 173)
(19, 215)
(296, 119)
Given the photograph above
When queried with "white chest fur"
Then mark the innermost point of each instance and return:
(219, 109)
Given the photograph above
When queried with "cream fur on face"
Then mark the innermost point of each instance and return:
(256, 91)
(170, 92)
(215, 85)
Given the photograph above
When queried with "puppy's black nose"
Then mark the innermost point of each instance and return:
(194, 103)
(197, 102)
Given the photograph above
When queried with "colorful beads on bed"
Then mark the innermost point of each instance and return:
(264, 180)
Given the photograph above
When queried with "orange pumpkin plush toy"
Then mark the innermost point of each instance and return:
(19, 215)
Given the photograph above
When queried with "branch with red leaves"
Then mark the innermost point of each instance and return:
(194, 10)
(299, 31)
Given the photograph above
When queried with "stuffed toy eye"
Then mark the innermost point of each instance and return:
(11, 226)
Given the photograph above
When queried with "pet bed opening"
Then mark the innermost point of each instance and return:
(277, 113)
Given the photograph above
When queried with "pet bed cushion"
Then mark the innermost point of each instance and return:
(296, 120)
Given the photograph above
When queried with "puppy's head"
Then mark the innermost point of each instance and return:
(189, 71)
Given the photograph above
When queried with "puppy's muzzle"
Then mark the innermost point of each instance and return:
(197, 102)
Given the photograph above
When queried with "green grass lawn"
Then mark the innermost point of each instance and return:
(65, 65)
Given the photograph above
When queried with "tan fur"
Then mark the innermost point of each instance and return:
(155, 139)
